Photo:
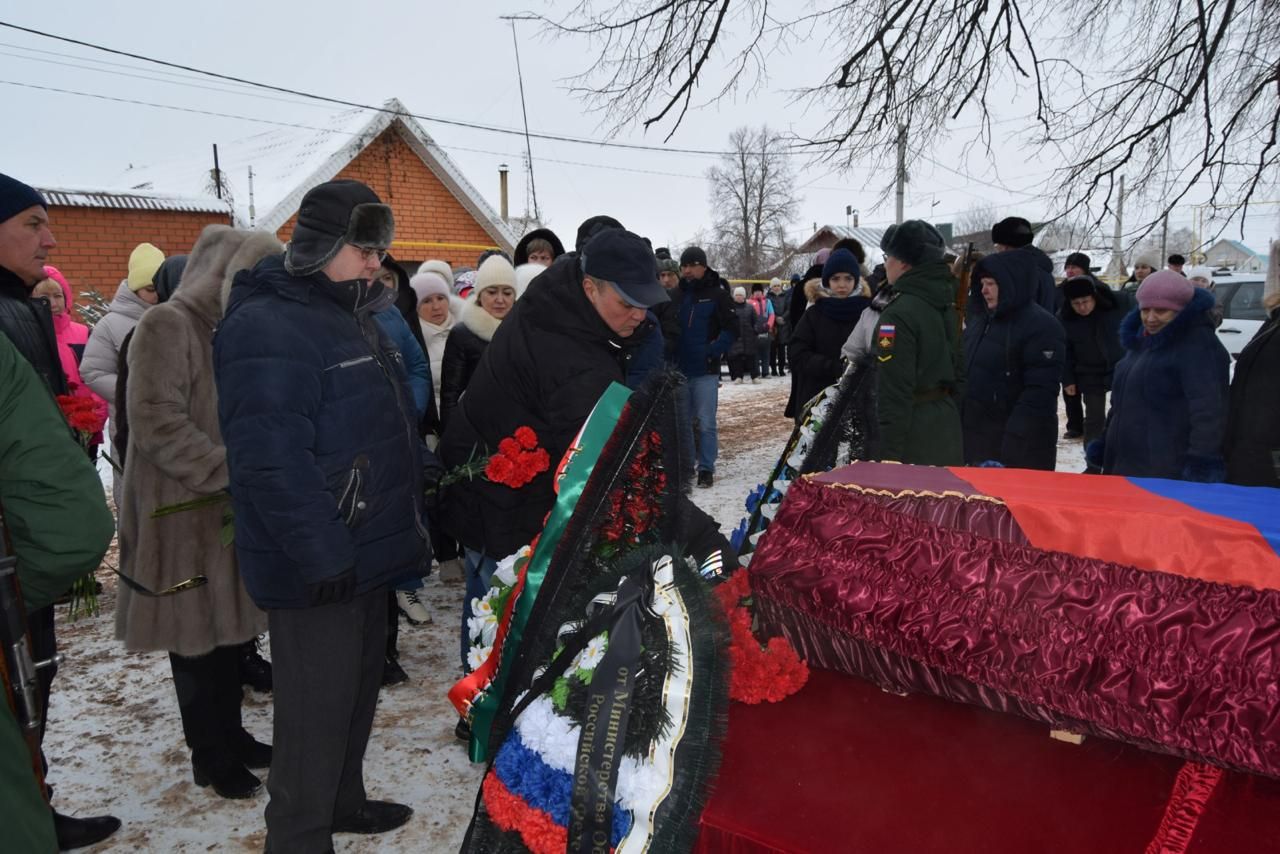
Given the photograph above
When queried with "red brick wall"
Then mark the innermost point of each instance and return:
(424, 208)
(94, 243)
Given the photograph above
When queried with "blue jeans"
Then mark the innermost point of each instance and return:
(479, 569)
(704, 395)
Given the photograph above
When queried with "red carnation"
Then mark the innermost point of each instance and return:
(509, 448)
(501, 470)
(527, 438)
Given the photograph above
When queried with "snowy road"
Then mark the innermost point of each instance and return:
(115, 741)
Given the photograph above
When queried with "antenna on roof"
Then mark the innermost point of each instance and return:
(217, 172)
(533, 186)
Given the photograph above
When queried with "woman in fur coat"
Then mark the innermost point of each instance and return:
(496, 291)
(176, 455)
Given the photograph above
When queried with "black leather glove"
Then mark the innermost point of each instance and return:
(333, 591)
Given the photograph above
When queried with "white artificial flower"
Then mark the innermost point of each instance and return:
(590, 656)
(505, 574)
(488, 632)
(482, 607)
(477, 656)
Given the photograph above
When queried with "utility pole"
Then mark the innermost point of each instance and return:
(902, 169)
(1164, 238)
(1116, 267)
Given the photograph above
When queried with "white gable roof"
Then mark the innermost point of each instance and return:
(287, 162)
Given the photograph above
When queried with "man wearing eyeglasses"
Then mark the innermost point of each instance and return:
(326, 482)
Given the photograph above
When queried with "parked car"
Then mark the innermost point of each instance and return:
(1240, 298)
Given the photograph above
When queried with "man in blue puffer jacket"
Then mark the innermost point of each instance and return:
(707, 329)
(326, 474)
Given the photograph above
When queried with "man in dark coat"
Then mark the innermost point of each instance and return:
(25, 241)
(1077, 264)
(568, 338)
(326, 472)
(707, 329)
(1014, 355)
(917, 347)
(1014, 234)
(546, 367)
(1091, 317)
(781, 301)
(1253, 417)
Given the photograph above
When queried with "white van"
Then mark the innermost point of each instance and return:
(1240, 298)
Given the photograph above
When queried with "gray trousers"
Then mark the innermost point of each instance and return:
(327, 668)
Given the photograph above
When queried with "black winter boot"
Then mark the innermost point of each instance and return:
(255, 671)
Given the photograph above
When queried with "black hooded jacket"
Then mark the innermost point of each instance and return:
(521, 255)
(1014, 356)
(29, 326)
(545, 368)
(1093, 341)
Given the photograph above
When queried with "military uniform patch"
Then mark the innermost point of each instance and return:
(884, 338)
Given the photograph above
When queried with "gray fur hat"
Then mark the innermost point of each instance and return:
(668, 265)
(333, 214)
(913, 242)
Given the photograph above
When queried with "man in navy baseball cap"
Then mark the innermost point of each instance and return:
(620, 279)
(624, 260)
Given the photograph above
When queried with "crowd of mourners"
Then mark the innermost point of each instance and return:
(307, 400)
(969, 356)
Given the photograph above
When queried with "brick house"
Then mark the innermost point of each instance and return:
(438, 212)
(96, 231)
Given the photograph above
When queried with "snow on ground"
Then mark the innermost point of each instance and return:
(115, 741)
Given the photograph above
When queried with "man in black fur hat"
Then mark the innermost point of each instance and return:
(326, 473)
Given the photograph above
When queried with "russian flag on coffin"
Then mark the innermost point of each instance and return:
(1211, 531)
(1214, 532)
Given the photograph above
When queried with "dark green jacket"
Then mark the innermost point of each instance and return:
(58, 520)
(917, 343)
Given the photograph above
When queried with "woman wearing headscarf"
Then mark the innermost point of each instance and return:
(816, 361)
(492, 297)
(1169, 393)
(176, 455)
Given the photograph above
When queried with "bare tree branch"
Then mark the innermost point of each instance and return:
(1192, 108)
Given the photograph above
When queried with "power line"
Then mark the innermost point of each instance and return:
(504, 154)
(345, 103)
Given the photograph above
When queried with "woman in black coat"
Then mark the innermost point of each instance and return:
(488, 303)
(1091, 316)
(1014, 351)
(1253, 414)
(1169, 393)
(815, 345)
(742, 352)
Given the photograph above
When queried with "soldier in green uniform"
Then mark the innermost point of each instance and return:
(59, 525)
(917, 346)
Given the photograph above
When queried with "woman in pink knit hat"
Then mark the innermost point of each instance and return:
(1169, 393)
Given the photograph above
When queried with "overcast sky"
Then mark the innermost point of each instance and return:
(454, 61)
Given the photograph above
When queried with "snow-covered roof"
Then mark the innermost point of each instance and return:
(132, 200)
(1237, 245)
(287, 162)
(868, 237)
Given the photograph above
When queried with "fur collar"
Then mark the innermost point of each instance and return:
(1133, 337)
(479, 321)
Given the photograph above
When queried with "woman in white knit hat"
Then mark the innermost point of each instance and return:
(495, 293)
(437, 311)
